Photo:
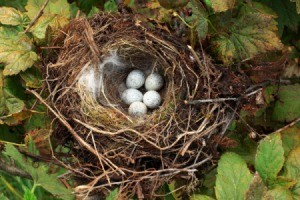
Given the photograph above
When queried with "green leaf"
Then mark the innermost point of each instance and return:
(290, 138)
(287, 107)
(109, 6)
(269, 158)
(281, 182)
(297, 5)
(296, 190)
(18, 4)
(233, 178)
(9, 103)
(292, 164)
(2, 197)
(287, 16)
(86, 5)
(113, 195)
(28, 195)
(39, 174)
(222, 5)
(15, 51)
(198, 19)
(11, 16)
(32, 77)
(278, 193)
(242, 37)
(56, 15)
(257, 189)
(200, 197)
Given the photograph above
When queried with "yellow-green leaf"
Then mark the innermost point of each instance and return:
(233, 178)
(257, 189)
(15, 51)
(200, 197)
(222, 5)
(11, 16)
(278, 193)
(32, 77)
(296, 190)
(56, 15)
(248, 34)
(292, 164)
(269, 158)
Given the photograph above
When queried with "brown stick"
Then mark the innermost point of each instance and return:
(37, 16)
(288, 126)
(12, 170)
(68, 126)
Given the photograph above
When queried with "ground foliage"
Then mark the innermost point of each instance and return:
(251, 37)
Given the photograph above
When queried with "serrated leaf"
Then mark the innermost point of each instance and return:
(233, 178)
(257, 189)
(269, 158)
(287, 107)
(297, 5)
(18, 4)
(287, 16)
(200, 197)
(15, 51)
(290, 139)
(113, 195)
(11, 16)
(56, 15)
(32, 77)
(198, 19)
(292, 164)
(250, 33)
(222, 5)
(9, 103)
(39, 174)
(278, 193)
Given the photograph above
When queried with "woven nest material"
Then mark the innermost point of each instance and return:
(112, 148)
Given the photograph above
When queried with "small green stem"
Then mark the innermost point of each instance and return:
(177, 15)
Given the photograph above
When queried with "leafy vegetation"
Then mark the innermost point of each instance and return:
(239, 35)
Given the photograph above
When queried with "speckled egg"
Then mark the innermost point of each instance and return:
(135, 79)
(152, 99)
(137, 109)
(154, 82)
(131, 95)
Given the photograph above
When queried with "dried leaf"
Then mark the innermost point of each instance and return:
(222, 5)
(257, 189)
(278, 193)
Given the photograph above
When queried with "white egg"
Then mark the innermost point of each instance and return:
(131, 95)
(135, 79)
(154, 82)
(152, 99)
(137, 109)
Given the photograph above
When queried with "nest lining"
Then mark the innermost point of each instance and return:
(132, 152)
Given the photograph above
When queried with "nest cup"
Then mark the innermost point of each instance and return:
(116, 149)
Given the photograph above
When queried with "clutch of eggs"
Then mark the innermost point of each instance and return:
(139, 103)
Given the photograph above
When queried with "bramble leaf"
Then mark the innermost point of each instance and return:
(39, 174)
(269, 158)
(15, 51)
(257, 189)
(56, 15)
(202, 197)
(198, 19)
(292, 164)
(290, 139)
(296, 190)
(278, 193)
(32, 78)
(287, 108)
(251, 32)
(233, 172)
(11, 16)
(222, 5)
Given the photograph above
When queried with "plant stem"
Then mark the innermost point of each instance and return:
(11, 188)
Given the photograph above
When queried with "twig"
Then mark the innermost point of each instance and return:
(288, 126)
(12, 170)
(37, 16)
(68, 126)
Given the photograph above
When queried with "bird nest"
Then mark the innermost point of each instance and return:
(110, 147)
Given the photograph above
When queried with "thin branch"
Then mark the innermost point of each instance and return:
(12, 170)
(288, 126)
(37, 16)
